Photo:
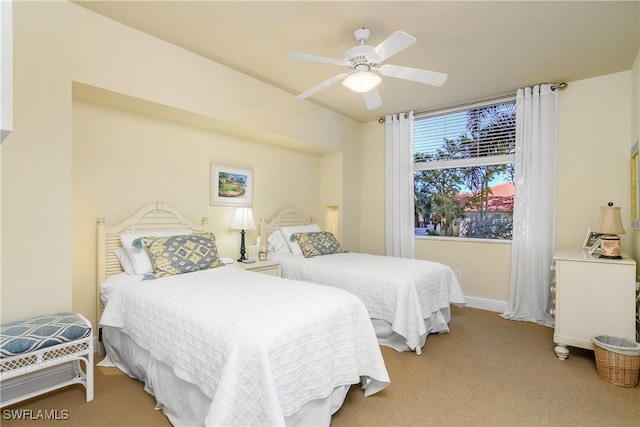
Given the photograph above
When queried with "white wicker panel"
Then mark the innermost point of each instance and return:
(7, 365)
(287, 217)
(112, 265)
(25, 363)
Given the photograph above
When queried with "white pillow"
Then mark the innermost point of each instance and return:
(277, 244)
(125, 262)
(288, 231)
(139, 258)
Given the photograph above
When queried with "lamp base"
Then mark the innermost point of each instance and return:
(242, 247)
(610, 246)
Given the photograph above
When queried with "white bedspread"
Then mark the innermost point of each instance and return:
(401, 291)
(259, 346)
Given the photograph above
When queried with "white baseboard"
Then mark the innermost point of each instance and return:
(486, 304)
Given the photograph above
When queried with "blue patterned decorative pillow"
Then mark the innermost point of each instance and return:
(172, 255)
(40, 332)
(318, 243)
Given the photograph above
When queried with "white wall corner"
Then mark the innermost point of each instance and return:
(6, 68)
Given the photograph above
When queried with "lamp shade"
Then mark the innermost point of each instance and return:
(609, 221)
(243, 219)
(362, 81)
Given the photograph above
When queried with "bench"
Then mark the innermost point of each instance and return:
(42, 354)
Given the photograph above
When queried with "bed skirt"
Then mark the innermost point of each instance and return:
(437, 322)
(183, 403)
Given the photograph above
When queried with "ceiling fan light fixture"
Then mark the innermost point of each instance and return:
(362, 81)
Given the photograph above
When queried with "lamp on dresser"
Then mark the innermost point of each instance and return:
(610, 226)
(243, 220)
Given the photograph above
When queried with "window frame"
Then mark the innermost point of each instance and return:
(462, 163)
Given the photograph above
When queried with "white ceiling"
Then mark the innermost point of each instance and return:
(488, 49)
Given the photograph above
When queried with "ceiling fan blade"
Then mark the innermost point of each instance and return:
(372, 99)
(393, 44)
(316, 58)
(414, 74)
(322, 85)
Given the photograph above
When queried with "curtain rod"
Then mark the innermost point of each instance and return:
(554, 86)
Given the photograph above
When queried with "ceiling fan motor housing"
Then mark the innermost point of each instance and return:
(361, 55)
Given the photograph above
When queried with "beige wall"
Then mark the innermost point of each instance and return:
(593, 155)
(54, 182)
(372, 190)
(36, 167)
(593, 159)
(484, 268)
(6, 69)
(331, 193)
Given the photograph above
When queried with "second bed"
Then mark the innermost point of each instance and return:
(407, 299)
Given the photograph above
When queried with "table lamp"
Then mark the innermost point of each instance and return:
(609, 225)
(243, 220)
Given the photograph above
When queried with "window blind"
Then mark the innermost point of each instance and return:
(469, 135)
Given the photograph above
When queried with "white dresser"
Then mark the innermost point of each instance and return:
(592, 296)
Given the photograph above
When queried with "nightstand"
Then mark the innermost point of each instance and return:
(272, 268)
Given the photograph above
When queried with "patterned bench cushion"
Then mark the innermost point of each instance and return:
(40, 332)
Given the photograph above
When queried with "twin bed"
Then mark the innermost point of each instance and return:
(407, 299)
(219, 345)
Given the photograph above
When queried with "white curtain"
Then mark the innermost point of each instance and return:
(399, 214)
(534, 205)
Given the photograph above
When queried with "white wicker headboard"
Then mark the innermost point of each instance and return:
(286, 217)
(156, 216)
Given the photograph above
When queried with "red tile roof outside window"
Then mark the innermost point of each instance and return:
(500, 199)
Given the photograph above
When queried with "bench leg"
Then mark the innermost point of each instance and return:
(90, 378)
(85, 377)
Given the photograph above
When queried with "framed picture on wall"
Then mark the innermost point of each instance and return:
(635, 187)
(231, 186)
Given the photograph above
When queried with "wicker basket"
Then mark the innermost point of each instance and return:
(617, 360)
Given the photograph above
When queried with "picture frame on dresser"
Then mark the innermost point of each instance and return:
(591, 239)
(595, 247)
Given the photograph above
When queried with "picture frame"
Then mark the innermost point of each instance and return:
(635, 186)
(595, 247)
(231, 186)
(590, 239)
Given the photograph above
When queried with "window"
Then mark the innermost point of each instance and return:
(464, 171)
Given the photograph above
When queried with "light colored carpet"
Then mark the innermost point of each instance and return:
(486, 372)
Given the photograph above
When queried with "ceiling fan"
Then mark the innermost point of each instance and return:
(362, 60)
